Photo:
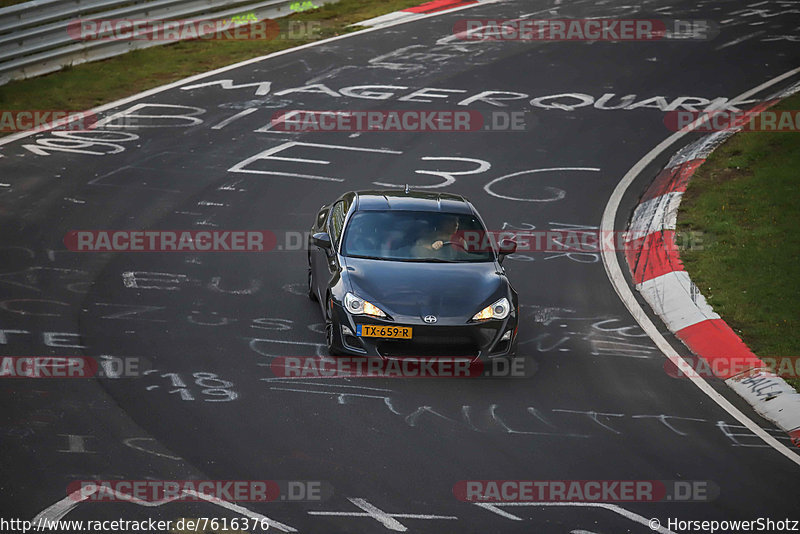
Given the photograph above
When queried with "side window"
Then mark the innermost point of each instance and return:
(336, 222)
(323, 214)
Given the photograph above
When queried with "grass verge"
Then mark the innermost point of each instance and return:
(85, 86)
(746, 196)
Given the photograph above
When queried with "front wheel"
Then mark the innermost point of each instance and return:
(312, 295)
(329, 330)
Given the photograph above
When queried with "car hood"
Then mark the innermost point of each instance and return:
(453, 292)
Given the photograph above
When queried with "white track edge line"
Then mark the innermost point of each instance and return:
(615, 275)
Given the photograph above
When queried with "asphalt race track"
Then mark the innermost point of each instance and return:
(598, 404)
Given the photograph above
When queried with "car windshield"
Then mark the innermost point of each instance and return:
(414, 236)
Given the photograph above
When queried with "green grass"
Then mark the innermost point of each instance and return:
(88, 85)
(746, 195)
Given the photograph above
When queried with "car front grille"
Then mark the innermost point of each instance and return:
(429, 346)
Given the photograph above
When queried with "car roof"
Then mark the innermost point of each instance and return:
(398, 199)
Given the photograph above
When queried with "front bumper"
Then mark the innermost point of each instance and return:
(477, 341)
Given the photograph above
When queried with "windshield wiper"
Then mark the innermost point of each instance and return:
(367, 257)
(416, 260)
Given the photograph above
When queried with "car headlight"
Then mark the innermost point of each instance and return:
(358, 306)
(498, 310)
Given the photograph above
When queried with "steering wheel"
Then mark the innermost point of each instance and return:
(454, 244)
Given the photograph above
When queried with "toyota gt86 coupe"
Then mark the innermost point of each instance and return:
(395, 277)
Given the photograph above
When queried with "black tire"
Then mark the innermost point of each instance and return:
(329, 326)
(312, 295)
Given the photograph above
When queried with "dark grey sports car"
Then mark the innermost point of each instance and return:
(395, 277)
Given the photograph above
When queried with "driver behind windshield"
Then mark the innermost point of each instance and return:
(440, 242)
(412, 236)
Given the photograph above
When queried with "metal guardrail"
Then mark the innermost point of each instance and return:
(34, 37)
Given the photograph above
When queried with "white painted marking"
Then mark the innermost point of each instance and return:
(269, 155)
(594, 417)
(538, 415)
(340, 396)
(499, 511)
(504, 426)
(306, 382)
(771, 396)
(319, 347)
(131, 442)
(229, 120)
(388, 402)
(262, 87)
(699, 149)
(636, 518)
(386, 519)
(270, 126)
(675, 298)
(132, 279)
(76, 444)
(482, 166)
(214, 285)
(231, 186)
(665, 420)
(466, 413)
(413, 417)
(73, 142)
(654, 215)
(554, 193)
(739, 40)
(618, 281)
(59, 509)
(128, 118)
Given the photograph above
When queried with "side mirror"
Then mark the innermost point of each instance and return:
(506, 246)
(322, 240)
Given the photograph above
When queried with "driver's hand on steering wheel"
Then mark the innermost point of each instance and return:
(437, 244)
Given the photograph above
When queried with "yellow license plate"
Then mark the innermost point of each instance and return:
(394, 332)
